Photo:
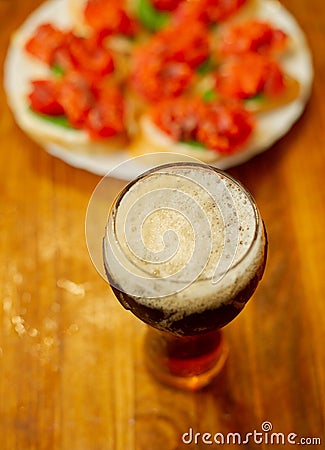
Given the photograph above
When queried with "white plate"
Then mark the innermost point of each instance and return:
(271, 126)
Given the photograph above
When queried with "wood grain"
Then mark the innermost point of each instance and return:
(72, 374)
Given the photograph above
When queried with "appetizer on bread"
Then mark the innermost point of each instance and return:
(81, 91)
(191, 126)
(255, 79)
(147, 75)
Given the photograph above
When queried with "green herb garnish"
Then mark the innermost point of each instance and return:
(57, 70)
(150, 17)
(207, 66)
(193, 143)
(256, 98)
(61, 121)
(210, 95)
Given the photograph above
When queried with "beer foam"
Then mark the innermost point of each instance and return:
(182, 239)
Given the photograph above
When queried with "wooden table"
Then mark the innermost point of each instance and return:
(71, 367)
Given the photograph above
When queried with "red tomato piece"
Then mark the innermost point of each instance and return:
(221, 127)
(248, 75)
(76, 98)
(109, 17)
(84, 55)
(163, 68)
(70, 52)
(106, 117)
(220, 10)
(44, 42)
(252, 36)
(190, 44)
(274, 82)
(166, 5)
(44, 98)
(179, 117)
(206, 11)
(62, 55)
(225, 128)
(154, 78)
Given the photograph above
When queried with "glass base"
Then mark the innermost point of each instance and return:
(185, 362)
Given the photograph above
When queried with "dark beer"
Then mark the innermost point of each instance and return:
(184, 250)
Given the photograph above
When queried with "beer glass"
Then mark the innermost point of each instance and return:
(184, 250)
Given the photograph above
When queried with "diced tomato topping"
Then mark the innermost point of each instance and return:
(274, 82)
(190, 45)
(225, 128)
(70, 52)
(221, 127)
(44, 98)
(84, 55)
(252, 36)
(166, 5)
(220, 10)
(43, 43)
(76, 98)
(155, 78)
(98, 109)
(248, 75)
(180, 118)
(109, 17)
(163, 68)
(206, 11)
(62, 58)
(106, 118)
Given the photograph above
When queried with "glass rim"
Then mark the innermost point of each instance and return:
(257, 217)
